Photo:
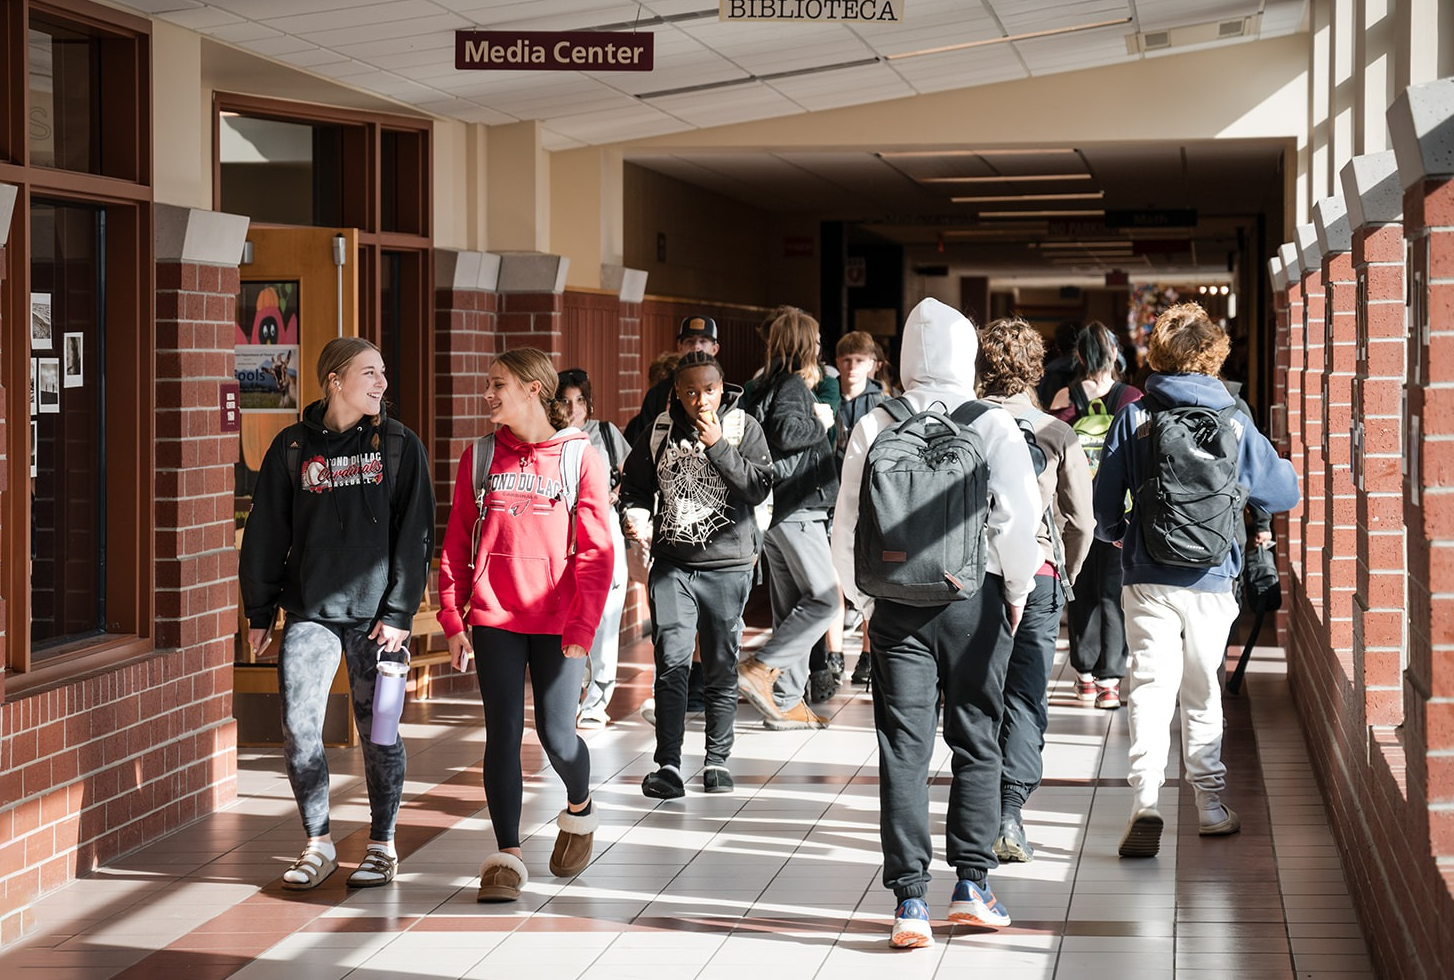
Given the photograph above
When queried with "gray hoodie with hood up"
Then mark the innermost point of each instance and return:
(937, 359)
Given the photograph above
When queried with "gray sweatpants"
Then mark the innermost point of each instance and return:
(307, 661)
(804, 592)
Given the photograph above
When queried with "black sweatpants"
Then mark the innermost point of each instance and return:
(1097, 625)
(962, 650)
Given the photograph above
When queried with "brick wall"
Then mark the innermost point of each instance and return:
(96, 768)
(1381, 737)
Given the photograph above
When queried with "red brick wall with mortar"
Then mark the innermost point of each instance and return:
(1311, 473)
(1390, 791)
(94, 769)
(1380, 367)
(1340, 564)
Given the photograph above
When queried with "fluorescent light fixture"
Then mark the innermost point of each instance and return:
(920, 154)
(1042, 214)
(1011, 38)
(1002, 178)
(1112, 243)
(1000, 198)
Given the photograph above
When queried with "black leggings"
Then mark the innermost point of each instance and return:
(501, 658)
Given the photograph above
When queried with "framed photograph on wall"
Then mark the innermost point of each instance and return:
(41, 337)
(72, 363)
(34, 389)
(34, 445)
(48, 385)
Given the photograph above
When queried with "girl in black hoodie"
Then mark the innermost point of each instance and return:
(340, 537)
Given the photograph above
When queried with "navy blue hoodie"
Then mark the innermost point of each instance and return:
(1270, 480)
(341, 541)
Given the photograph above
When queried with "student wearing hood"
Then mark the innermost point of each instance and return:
(959, 650)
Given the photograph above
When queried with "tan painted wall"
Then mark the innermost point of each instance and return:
(714, 245)
(181, 119)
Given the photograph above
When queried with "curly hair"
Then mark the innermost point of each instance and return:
(1011, 358)
(1184, 340)
(529, 364)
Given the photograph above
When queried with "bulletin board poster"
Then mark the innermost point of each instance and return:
(268, 314)
(267, 377)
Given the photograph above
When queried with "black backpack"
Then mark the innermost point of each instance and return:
(1190, 503)
(923, 505)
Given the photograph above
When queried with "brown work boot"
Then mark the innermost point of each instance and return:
(796, 717)
(754, 681)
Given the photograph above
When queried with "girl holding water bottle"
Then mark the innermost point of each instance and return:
(340, 536)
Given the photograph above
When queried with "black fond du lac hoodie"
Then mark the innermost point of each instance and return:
(342, 541)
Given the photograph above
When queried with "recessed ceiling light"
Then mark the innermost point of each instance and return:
(1002, 178)
(1001, 198)
(921, 154)
(1042, 214)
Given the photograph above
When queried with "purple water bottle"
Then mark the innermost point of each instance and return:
(388, 702)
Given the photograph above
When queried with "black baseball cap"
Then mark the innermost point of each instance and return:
(698, 326)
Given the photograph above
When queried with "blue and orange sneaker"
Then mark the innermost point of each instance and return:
(911, 925)
(977, 906)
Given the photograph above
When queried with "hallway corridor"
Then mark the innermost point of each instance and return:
(780, 878)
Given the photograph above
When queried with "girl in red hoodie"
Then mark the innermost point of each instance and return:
(528, 573)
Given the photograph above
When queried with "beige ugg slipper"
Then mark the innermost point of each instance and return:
(501, 878)
(573, 844)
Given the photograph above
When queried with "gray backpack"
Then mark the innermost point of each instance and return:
(923, 506)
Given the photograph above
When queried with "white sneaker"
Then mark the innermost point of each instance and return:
(648, 711)
(1142, 838)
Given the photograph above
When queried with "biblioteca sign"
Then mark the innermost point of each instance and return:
(553, 50)
(860, 11)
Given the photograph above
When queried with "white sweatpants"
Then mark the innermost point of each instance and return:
(1177, 639)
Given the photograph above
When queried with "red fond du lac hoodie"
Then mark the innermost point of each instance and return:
(523, 580)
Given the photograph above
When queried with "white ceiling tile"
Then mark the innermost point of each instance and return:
(242, 32)
(202, 18)
(850, 86)
(360, 16)
(156, 7)
(717, 107)
(442, 27)
(635, 122)
(283, 48)
(1051, 54)
(315, 57)
(345, 69)
(1021, 18)
(263, 9)
(442, 42)
(960, 69)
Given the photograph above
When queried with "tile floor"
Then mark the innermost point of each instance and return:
(782, 875)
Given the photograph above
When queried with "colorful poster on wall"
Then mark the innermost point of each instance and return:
(267, 376)
(267, 314)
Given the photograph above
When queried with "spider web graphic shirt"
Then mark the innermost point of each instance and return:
(693, 494)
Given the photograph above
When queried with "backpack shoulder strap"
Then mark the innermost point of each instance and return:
(899, 409)
(484, 455)
(660, 429)
(1078, 397)
(1112, 399)
(294, 453)
(970, 411)
(571, 459)
(734, 427)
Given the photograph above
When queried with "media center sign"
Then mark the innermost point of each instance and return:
(553, 50)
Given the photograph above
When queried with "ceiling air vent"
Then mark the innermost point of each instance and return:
(1155, 40)
(1231, 28)
(1188, 35)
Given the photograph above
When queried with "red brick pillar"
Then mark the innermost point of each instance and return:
(465, 306)
(1375, 210)
(1421, 122)
(1277, 420)
(630, 285)
(197, 254)
(1310, 470)
(1339, 564)
(1288, 527)
(531, 302)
